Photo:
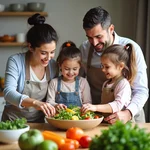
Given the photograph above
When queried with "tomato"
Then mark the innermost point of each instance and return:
(74, 133)
(67, 146)
(47, 145)
(85, 141)
(87, 118)
(96, 117)
(75, 142)
(30, 139)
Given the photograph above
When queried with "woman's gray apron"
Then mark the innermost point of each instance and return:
(68, 98)
(96, 78)
(35, 90)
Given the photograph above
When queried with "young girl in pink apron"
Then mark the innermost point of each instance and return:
(119, 66)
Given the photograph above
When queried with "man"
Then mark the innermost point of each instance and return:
(100, 33)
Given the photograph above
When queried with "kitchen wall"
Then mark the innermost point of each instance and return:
(66, 17)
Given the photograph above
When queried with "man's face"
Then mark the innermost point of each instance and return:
(100, 38)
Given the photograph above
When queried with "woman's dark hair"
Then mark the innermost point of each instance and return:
(126, 54)
(95, 16)
(40, 33)
(69, 51)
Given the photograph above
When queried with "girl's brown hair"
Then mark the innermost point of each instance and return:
(118, 53)
(69, 51)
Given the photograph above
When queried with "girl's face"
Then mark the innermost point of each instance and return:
(70, 69)
(41, 55)
(111, 70)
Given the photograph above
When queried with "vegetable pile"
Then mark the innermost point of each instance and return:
(74, 113)
(122, 137)
(13, 125)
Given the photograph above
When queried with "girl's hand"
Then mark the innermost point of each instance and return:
(47, 108)
(60, 106)
(88, 107)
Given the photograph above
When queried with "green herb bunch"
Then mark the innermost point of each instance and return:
(122, 137)
(13, 125)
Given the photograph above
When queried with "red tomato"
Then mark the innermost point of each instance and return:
(74, 133)
(96, 117)
(67, 146)
(85, 141)
(87, 118)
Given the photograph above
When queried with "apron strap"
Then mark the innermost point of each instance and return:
(117, 81)
(90, 57)
(59, 84)
(114, 85)
(27, 70)
(48, 73)
(77, 84)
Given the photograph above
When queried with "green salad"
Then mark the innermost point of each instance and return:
(74, 113)
(13, 125)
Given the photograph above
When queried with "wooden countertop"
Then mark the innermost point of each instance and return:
(46, 126)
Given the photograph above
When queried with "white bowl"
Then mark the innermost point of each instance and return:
(11, 136)
(83, 124)
(2, 7)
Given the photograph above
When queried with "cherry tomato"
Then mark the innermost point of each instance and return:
(96, 117)
(85, 141)
(67, 146)
(87, 118)
(74, 133)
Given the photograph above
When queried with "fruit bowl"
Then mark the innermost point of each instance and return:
(83, 124)
(11, 136)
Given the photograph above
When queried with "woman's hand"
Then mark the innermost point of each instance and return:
(124, 116)
(88, 107)
(60, 106)
(47, 108)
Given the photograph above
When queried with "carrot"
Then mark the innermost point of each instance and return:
(48, 135)
(53, 133)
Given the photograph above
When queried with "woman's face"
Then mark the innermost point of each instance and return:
(44, 53)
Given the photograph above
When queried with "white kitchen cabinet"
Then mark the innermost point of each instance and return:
(2, 104)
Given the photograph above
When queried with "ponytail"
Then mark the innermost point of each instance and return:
(131, 64)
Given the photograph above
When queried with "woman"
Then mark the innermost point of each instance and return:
(27, 74)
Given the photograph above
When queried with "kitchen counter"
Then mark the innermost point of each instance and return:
(46, 126)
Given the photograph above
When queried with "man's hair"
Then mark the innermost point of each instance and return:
(95, 16)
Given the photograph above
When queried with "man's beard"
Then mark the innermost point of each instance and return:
(104, 46)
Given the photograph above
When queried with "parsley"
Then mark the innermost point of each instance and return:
(12, 125)
(122, 137)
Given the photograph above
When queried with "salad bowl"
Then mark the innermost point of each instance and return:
(11, 136)
(10, 131)
(83, 124)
